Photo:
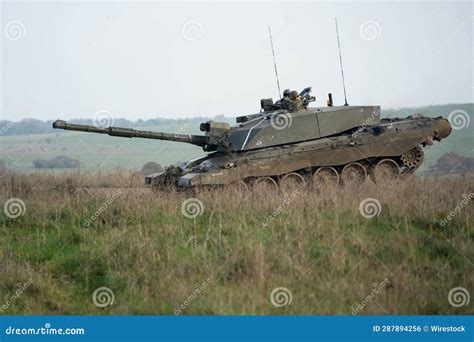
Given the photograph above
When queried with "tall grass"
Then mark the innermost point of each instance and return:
(316, 244)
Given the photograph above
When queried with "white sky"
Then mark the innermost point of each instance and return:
(133, 60)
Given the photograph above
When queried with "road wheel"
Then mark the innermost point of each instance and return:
(385, 170)
(353, 174)
(325, 177)
(291, 183)
(239, 187)
(265, 185)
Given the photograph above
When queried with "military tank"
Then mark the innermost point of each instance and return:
(289, 144)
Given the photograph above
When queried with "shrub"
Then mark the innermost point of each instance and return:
(59, 162)
(451, 162)
(151, 167)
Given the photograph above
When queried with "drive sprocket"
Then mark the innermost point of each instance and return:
(412, 159)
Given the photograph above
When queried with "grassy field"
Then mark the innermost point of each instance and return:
(105, 153)
(153, 258)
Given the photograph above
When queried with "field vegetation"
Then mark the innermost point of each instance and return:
(82, 231)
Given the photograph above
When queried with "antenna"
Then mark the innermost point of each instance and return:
(340, 60)
(274, 62)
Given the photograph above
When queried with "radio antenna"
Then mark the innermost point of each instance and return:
(274, 62)
(340, 61)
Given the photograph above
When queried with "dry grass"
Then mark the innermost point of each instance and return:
(317, 245)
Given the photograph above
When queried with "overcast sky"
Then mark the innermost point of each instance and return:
(176, 60)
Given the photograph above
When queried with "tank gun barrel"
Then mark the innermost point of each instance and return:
(199, 140)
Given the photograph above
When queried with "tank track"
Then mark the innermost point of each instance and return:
(379, 170)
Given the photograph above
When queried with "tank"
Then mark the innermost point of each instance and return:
(289, 145)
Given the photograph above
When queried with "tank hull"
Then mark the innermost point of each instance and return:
(366, 145)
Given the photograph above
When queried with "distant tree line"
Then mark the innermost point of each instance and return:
(34, 126)
(430, 111)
